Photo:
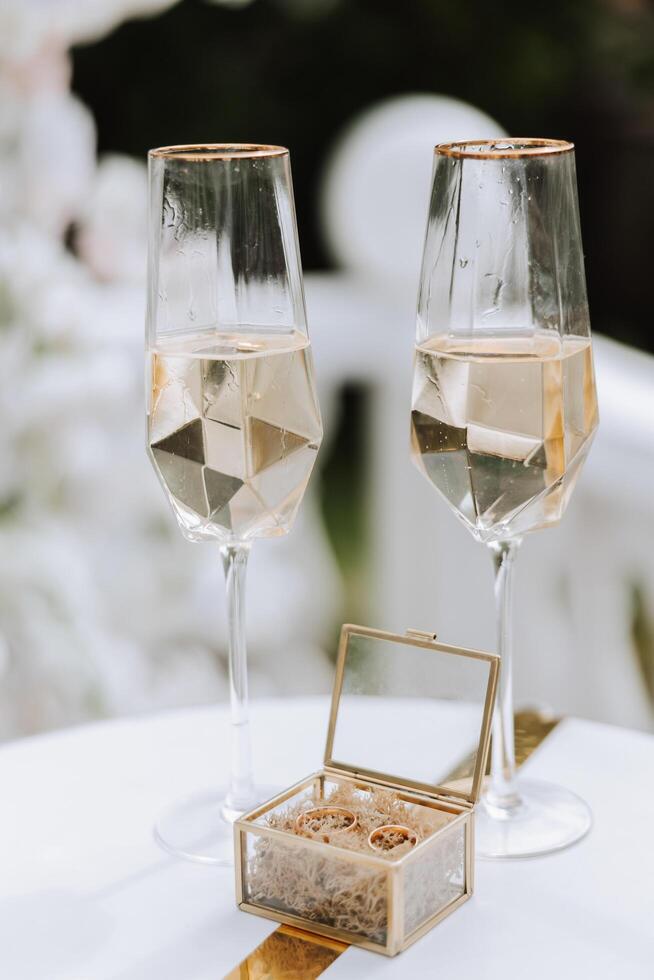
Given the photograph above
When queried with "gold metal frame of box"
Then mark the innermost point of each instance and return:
(395, 941)
(442, 798)
(428, 641)
(531, 729)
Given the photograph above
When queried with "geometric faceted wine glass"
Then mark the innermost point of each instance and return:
(233, 419)
(504, 405)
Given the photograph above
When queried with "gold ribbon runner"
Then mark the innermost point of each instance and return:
(293, 954)
(289, 954)
(530, 727)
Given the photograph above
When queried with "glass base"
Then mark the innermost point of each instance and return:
(200, 829)
(548, 818)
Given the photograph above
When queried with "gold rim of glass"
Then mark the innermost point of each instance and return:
(497, 149)
(218, 151)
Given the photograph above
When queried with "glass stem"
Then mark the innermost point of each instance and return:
(502, 795)
(240, 794)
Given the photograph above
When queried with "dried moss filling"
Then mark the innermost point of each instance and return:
(335, 891)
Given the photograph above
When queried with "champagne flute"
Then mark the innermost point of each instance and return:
(504, 406)
(233, 418)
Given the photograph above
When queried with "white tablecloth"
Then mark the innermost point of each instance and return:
(86, 895)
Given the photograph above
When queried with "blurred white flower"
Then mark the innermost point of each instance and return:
(25, 24)
(56, 160)
(104, 608)
(114, 222)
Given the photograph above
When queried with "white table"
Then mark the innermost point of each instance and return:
(86, 895)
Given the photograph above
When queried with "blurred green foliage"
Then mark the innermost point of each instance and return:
(642, 631)
(344, 495)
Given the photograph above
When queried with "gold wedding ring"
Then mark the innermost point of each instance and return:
(390, 836)
(325, 820)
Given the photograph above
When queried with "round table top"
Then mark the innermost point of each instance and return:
(85, 894)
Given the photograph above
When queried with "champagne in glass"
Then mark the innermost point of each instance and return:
(234, 424)
(504, 406)
(234, 429)
(501, 427)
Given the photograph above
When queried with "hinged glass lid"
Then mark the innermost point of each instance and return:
(412, 711)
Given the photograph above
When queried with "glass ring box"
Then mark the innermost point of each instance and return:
(377, 847)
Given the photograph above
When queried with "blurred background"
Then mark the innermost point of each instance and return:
(104, 608)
